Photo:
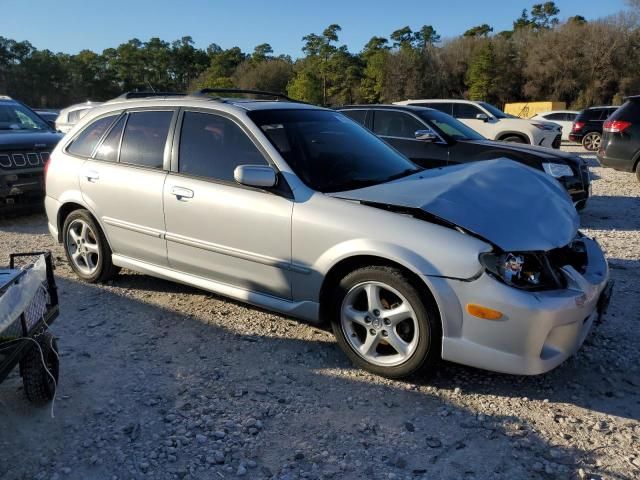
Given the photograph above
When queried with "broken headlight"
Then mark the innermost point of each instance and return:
(527, 271)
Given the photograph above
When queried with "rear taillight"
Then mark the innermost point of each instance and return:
(616, 126)
(577, 126)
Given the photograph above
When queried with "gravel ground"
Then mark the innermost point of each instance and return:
(164, 381)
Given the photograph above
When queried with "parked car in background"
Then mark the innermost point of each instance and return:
(494, 124)
(26, 141)
(432, 139)
(49, 115)
(587, 127)
(620, 148)
(564, 118)
(300, 210)
(71, 115)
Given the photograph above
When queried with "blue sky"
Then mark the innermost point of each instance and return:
(72, 25)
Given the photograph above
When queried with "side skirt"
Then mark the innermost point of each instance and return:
(305, 310)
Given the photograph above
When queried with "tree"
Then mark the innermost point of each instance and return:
(402, 38)
(544, 15)
(481, 75)
(262, 52)
(427, 36)
(479, 31)
(522, 22)
(271, 75)
(577, 20)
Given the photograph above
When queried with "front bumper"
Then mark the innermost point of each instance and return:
(538, 330)
(15, 184)
(549, 139)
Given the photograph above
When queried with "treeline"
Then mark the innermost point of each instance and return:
(581, 63)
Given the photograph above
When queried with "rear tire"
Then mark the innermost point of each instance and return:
(592, 141)
(86, 248)
(40, 380)
(394, 333)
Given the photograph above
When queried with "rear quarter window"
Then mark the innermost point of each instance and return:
(84, 144)
(629, 112)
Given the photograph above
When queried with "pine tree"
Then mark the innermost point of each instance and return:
(481, 74)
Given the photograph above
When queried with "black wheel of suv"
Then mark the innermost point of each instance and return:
(86, 248)
(591, 141)
(39, 369)
(384, 324)
(514, 139)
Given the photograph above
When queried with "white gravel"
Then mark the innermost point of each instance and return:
(164, 381)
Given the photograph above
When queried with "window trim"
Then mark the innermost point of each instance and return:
(367, 116)
(472, 104)
(104, 137)
(281, 188)
(441, 141)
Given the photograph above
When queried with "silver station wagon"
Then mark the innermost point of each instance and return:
(300, 210)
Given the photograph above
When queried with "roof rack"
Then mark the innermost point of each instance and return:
(206, 91)
(132, 95)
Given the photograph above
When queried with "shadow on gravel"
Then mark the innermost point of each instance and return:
(30, 222)
(140, 381)
(612, 213)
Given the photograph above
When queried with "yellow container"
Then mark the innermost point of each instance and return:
(529, 109)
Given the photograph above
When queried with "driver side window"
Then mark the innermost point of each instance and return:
(395, 124)
(466, 111)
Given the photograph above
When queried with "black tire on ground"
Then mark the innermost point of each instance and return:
(638, 171)
(427, 353)
(40, 382)
(106, 269)
(581, 205)
(514, 139)
(591, 141)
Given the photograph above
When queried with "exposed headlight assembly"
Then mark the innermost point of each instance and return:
(544, 126)
(557, 170)
(526, 271)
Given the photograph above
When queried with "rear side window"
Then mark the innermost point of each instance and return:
(144, 139)
(629, 112)
(440, 106)
(465, 110)
(555, 116)
(212, 146)
(76, 115)
(84, 143)
(395, 124)
(108, 151)
(357, 115)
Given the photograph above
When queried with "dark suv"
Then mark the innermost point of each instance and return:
(620, 147)
(25, 143)
(587, 127)
(431, 138)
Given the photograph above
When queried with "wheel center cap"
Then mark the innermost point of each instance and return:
(376, 323)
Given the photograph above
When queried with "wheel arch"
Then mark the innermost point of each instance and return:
(510, 133)
(70, 206)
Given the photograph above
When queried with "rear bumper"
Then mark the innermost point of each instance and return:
(622, 164)
(538, 330)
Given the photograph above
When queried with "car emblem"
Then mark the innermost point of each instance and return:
(377, 323)
(40, 145)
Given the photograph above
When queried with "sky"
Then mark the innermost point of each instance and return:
(73, 25)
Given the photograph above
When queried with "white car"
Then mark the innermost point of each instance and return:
(564, 118)
(494, 124)
(71, 115)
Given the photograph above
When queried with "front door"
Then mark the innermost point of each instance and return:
(216, 228)
(398, 129)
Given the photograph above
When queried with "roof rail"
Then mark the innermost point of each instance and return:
(132, 95)
(206, 91)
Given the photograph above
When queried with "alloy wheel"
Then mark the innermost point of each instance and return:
(592, 141)
(379, 324)
(82, 246)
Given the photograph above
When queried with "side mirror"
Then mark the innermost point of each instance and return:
(482, 116)
(255, 176)
(425, 135)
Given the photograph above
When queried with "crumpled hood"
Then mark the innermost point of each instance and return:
(512, 206)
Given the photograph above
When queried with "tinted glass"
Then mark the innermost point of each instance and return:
(14, 116)
(84, 143)
(357, 115)
(144, 138)
(108, 150)
(629, 112)
(465, 110)
(449, 126)
(329, 152)
(442, 107)
(212, 146)
(555, 116)
(493, 110)
(395, 124)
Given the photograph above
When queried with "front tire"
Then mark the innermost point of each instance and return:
(384, 323)
(591, 141)
(86, 248)
(514, 139)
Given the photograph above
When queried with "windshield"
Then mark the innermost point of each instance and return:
(449, 125)
(330, 152)
(496, 112)
(14, 116)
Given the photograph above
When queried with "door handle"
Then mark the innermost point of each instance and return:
(181, 192)
(92, 175)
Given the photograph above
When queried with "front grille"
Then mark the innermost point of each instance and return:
(557, 141)
(23, 159)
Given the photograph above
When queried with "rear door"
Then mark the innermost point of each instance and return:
(398, 128)
(216, 228)
(123, 180)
